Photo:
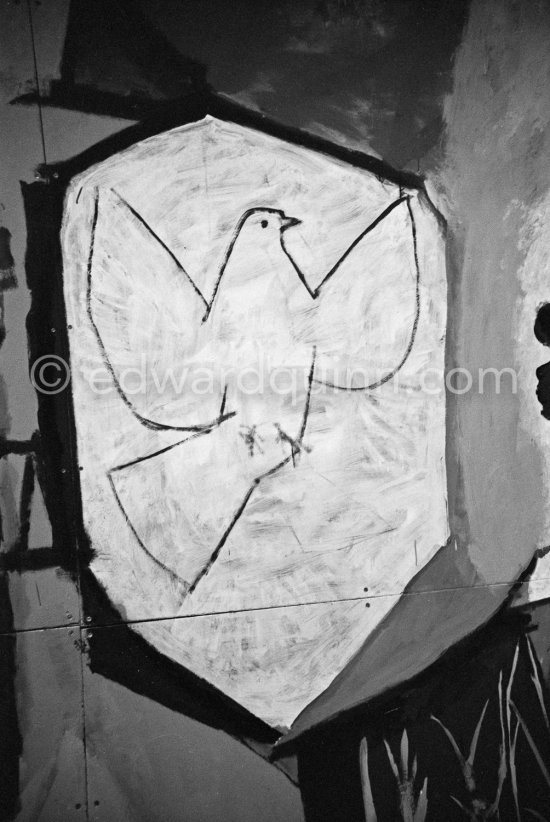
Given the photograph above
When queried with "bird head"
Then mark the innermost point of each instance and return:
(267, 223)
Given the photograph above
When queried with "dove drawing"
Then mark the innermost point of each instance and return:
(253, 281)
(259, 318)
(233, 334)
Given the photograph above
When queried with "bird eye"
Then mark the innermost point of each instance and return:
(264, 223)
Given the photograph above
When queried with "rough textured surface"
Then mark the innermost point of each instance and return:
(277, 523)
(353, 72)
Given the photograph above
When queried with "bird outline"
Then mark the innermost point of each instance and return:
(264, 225)
(264, 219)
(267, 219)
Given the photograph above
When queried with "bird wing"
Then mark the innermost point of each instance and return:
(363, 316)
(181, 501)
(146, 312)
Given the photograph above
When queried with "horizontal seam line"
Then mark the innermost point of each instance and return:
(427, 591)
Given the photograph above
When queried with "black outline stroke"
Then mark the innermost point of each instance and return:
(315, 292)
(412, 338)
(191, 587)
(148, 423)
(161, 242)
(237, 230)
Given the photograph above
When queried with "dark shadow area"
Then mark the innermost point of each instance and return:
(206, 102)
(120, 655)
(11, 743)
(542, 333)
(117, 63)
(487, 683)
(376, 73)
(367, 74)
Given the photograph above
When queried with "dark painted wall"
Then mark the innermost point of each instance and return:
(427, 88)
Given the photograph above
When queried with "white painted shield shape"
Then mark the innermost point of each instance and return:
(257, 354)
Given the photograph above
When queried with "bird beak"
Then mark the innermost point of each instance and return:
(289, 222)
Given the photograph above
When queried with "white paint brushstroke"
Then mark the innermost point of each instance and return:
(299, 532)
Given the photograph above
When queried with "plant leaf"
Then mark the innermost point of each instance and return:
(509, 688)
(503, 765)
(468, 813)
(405, 755)
(513, 771)
(392, 763)
(368, 801)
(532, 745)
(467, 770)
(451, 739)
(422, 804)
(512, 742)
(502, 773)
(460, 805)
(475, 737)
(535, 678)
